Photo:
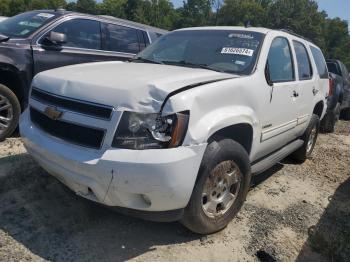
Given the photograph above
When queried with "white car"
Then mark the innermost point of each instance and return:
(177, 133)
(2, 18)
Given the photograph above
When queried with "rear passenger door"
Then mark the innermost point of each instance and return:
(321, 89)
(307, 85)
(122, 42)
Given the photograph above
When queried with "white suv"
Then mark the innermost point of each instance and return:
(177, 132)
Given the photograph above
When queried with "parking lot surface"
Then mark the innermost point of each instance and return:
(293, 212)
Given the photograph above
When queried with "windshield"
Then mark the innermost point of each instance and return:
(227, 51)
(23, 25)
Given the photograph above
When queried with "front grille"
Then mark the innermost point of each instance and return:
(73, 133)
(82, 107)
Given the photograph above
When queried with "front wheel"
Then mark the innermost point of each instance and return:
(10, 111)
(221, 187)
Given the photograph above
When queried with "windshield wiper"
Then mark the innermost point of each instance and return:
(3, 38)
(193, 65)
(141, 59)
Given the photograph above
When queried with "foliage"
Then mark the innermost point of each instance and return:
(301, 16)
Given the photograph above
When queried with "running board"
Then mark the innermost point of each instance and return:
(271, 160)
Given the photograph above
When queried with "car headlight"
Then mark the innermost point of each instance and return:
(150, 131)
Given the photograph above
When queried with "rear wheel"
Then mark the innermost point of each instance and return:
(330, 119)
(221, 188)
(345, 114)
(10, 111)
(309, 138)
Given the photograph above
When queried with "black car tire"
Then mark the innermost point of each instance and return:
(217, 152)
(8, 98)
(345, 114)
(330, 119)
(310, 133)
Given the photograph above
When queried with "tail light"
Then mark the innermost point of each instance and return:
(331, 86)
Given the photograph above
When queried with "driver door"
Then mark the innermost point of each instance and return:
(279, 118)
(83, 45)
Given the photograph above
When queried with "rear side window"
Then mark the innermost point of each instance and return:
(320, 62)
(280, 61)
(121, 39)
(333, 68)
(154, 35)
(303, 61)
(81, 33)
(346, 72)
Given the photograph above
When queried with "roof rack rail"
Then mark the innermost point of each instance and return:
(289, 31)
(60, 9)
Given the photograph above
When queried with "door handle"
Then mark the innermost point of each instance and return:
(295, 94)
(314, 91)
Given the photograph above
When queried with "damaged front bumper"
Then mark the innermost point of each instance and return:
(146, 180)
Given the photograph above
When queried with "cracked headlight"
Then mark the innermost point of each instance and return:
(150, 131)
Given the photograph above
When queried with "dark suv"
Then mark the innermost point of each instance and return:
(40, 40)
(339, 95)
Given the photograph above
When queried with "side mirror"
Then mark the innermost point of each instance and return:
(267, 74)
(57, 38)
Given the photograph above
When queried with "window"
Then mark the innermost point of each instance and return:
(81, 33)
(345, 72)
(280, 61)
(121, 39)
(303, 61)
(334, 68)
(154, 35)
(23, 25)
(320, 62)
(228, 51)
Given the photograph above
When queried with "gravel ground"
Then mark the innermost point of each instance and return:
(293, 212)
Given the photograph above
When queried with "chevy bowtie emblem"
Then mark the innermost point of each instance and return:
(53, 113)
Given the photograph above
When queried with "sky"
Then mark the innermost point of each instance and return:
(336, 8)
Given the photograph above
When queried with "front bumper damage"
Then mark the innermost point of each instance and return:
(145, 180)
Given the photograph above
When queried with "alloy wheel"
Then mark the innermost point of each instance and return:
(221, 189)
(6, 114)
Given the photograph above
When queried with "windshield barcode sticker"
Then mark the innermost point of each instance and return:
(237, 51)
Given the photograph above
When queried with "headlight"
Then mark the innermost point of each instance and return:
(150, 131)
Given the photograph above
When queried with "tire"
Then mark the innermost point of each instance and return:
(218, 155)
(345, 114)
(10, 110)
(311, 133)
(330, 119)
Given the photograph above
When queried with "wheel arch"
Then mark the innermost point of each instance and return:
(318, 109)
(242, 133)
(11, 78)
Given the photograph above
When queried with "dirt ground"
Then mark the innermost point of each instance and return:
(293, 212)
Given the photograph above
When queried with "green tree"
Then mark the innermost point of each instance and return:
(86, 6)
(16, 7)
(236, 12)
(113, 8)
(195, 13)
(338, 40)
(301, 16)
(5, 7)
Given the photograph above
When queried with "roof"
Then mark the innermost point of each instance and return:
(251, 29)
(135, 24)
(64, 12)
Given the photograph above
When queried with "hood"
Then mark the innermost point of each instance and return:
(140, 87)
